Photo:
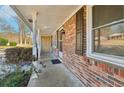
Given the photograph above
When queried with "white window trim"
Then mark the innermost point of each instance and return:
(60, 52)
(116, 60)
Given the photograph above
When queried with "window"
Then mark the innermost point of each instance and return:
(79, 32)
(110, 39)
(105, 32)
(108, 30)
(59, 39)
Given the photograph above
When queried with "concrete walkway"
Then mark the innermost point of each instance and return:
(54, 75)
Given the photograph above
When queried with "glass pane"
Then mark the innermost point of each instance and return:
(60, 40)
(60, 46)
(104, 14)
(110, 40)
(78, 43)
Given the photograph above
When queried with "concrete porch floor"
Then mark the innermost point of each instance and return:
(54, 75)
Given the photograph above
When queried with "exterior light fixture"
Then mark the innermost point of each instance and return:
(30, 20)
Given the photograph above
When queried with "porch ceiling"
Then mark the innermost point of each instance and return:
(50, 17)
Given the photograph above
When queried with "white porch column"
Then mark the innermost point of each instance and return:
(34, 15)
(25, 40)
(20, 42)
(21, 33)
(39, 43)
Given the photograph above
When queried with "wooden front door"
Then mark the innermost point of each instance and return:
(45, 44)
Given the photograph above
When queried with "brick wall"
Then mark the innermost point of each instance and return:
(91, 72)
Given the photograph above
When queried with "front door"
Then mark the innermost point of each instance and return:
(45, 44)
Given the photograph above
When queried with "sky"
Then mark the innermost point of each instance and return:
(8, 18)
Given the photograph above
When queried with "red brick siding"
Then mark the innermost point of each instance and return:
(91, 72)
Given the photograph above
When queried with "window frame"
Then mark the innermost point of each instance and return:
(81, 33)
(59, 39)
(116, 60)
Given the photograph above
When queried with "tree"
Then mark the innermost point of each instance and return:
(3, 41)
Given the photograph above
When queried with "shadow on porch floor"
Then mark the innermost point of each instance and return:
(54, 75)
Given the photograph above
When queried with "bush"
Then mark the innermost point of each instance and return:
(3, 41)
(18, 54)
(16, 79)
(12, 43)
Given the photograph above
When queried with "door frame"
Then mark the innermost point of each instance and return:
(50, 37)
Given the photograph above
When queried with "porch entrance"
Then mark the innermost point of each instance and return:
(45, 44)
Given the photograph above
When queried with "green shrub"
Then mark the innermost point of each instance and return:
(18, 54)
(16, 79)
(12, 43)
(3, 41)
